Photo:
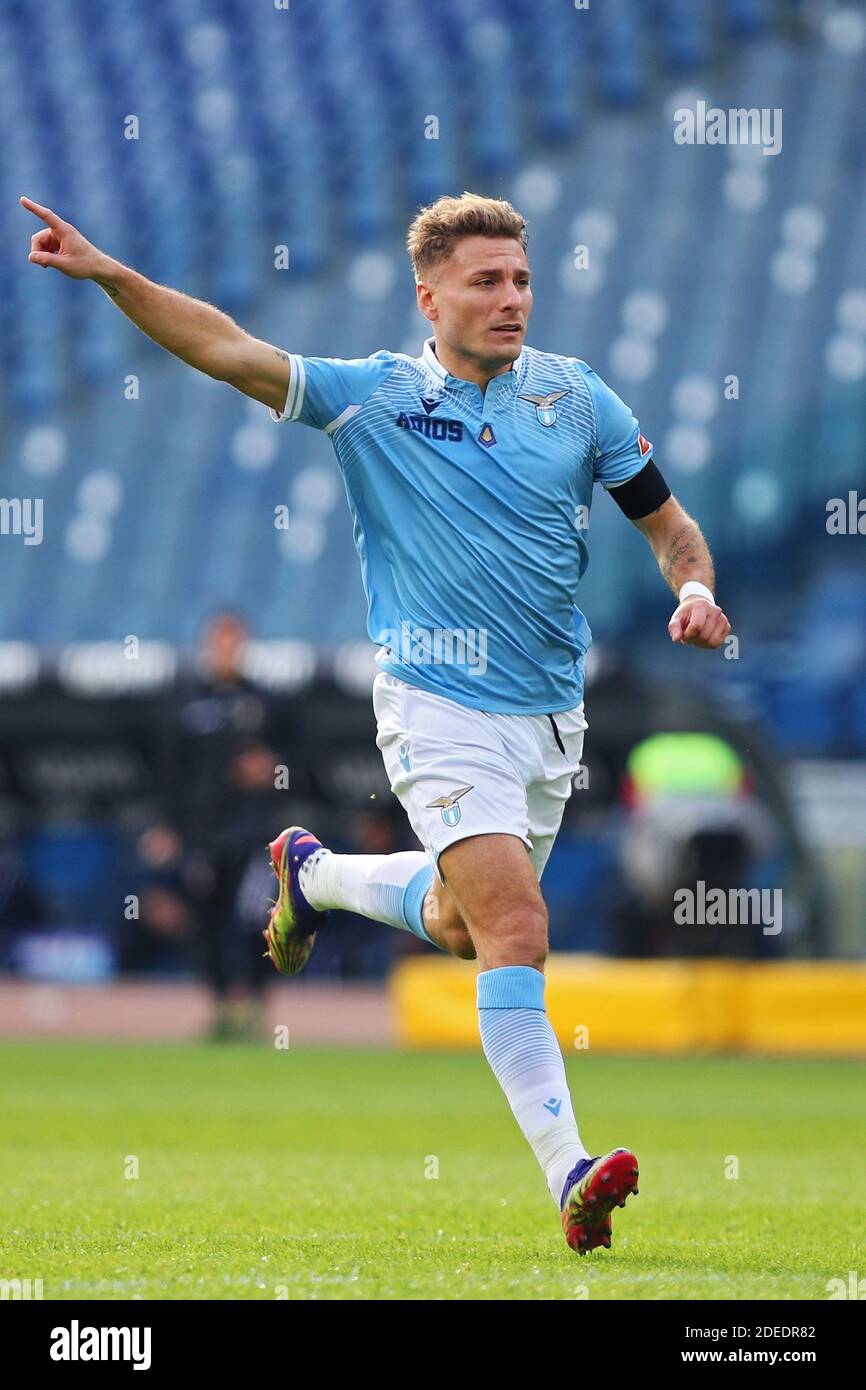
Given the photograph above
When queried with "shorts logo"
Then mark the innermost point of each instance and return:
(449, 805)
(403, 752)
(545, 406)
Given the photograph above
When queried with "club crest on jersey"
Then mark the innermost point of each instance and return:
(449, 805)
(487, 437)
(545, 406)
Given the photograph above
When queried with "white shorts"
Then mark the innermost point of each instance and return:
(459, 772)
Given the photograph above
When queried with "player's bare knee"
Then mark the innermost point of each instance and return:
(516, 937)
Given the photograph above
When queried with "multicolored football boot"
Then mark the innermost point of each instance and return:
(592, 1189)
(292, 925)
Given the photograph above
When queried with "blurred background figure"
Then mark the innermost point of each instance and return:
(215, 713)
(226, 806)
(158, 922)
(693, 820)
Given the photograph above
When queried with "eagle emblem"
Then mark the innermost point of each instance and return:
(449, 805)
(545, 406)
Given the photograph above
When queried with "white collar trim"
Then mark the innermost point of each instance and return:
(432, 363)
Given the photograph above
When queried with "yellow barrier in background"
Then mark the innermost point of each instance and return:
(671, 1006)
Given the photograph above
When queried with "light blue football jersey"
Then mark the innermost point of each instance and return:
(470, 513)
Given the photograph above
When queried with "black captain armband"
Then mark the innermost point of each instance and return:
(642, 494)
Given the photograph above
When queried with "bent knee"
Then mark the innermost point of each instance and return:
(460, 943)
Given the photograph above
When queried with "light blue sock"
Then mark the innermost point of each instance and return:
(388, 888)
(412, 903)
(522, 1050)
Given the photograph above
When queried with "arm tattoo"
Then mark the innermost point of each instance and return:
(107, 285)
(280, 353)
(685, 551)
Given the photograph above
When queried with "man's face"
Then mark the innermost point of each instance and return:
(224, 641)
(479, 299)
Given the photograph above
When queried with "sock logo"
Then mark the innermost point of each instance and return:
(553, 1105)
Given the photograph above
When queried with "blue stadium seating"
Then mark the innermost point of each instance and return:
(195, 141)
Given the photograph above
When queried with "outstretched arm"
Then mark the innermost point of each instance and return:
(195, 332)
(682, 555)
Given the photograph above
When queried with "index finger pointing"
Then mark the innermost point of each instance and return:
(45, 213)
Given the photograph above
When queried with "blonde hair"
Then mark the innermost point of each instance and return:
(440, 225)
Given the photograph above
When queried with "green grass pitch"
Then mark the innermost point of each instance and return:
(301, 1174)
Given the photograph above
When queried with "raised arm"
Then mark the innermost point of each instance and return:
(196, 332)
(683, 556)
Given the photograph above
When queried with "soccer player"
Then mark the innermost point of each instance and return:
(469, 472)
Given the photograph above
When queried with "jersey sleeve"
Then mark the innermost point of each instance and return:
(325, 392)
(621, 450)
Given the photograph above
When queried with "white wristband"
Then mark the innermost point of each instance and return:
(693, 587)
